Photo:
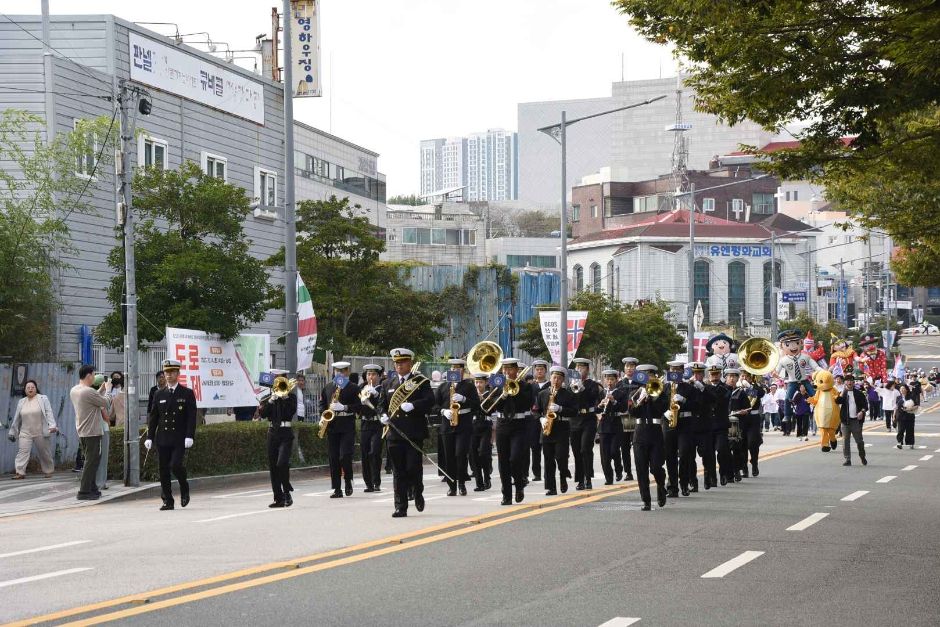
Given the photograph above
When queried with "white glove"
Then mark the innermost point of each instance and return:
(337, 407)
(384, 419)
(188, 442)
(667, 415)
(544, 421)
(496, 414)
(374, 392)
(699, 385)
(554, 407)
(407, 407)
(642, 396)
(459, 397)
(446, 413)
(148, 444)
(678, 398)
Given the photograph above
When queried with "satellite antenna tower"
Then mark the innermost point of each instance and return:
(680, 151)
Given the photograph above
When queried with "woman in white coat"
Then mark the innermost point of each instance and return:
(33, 425)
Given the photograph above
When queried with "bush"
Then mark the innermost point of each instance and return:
(231, 447)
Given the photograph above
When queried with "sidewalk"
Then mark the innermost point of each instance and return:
(37, 494)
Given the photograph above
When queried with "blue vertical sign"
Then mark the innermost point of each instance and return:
(842, 303)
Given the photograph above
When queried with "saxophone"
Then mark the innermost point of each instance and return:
(673, 408)
(454, 407)
(550, 416)
(327, 416)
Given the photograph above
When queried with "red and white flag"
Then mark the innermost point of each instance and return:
(306, 326)
(551, 335)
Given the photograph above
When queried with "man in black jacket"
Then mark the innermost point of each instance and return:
(853, 406)
(408, 429)
(533, 427)
(481, 442)
(281, 411)
(612, 407)
(341, 396)
(172, 423)
(370, 429)
(719, 394)
(702, 428)
(626, 438)
(584, 425)
(555, 444)
(648, 441)
(457, 437)
(511, 449)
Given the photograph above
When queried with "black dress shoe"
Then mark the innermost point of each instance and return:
(551, 492)
(619, 476)
(419, 502)
(288, 500)
(646, 507)
(672, 493)
(452, 492)
(685, 492)
(462, 489)
(537, 478)
(369, 489)
(277, 504)
(479, 488)
(336, 495)
(376, 488)
(737, 476)
(94, 497)
(694, 488)
(847, 462)
(834, 444)
(580, 486)
(724, 480)
(399, 513)
(587, 485)
(166, 506)
(506, 501)
(864, 461)
(487, 483)
(184, 499)
(629, 476)
(564, 485)
(661, 496)
(525, 482)
(754, 470)
(609, 482)
(349, 489)
(745, 473)
(520, 495)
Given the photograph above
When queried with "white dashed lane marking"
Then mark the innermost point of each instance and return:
(855, 495)
(809, 521)
(620, 621)
(58, 573)
(51, 547)
(259, 511)
(906, 468)
(732, 564)
(887, 479)
(925, 458)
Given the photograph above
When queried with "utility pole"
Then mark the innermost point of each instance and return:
(690, 310)
(810, 280)
(773, 285)
(843, 305)
(290, 225)
(867, 281)
(563, 300)
(125, 216)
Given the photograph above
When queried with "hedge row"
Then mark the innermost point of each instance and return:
(232, 447)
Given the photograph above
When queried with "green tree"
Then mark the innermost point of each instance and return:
(613, 331)
(821, 332)
(39, 191)
(362, 304)
(195, 272)
(411, 199)
(852, 68)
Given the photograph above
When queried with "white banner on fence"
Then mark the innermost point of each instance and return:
(551, 334)
(211, 368)
(192, 77)
(305, 48)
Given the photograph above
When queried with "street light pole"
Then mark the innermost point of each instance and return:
(563, 296)
(290, 226)
(773, 285)
(690, 309)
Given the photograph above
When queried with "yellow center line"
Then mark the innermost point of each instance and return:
(395, 544)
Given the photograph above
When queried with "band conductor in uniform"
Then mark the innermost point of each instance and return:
(172, 424)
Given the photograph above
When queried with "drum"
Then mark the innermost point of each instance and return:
(629, 423)
(734, 431)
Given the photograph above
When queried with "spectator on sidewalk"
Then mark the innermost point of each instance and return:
(904, 411)
(801, 412)
(33, 424)
(769, 407)
(872, 391)
(889, 400)
(161, 383)
(853, 404)
(300, 383)
(91, 408)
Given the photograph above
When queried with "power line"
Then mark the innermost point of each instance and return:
(58, 93)
(94, 168)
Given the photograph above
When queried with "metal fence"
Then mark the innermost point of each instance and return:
(54, 380)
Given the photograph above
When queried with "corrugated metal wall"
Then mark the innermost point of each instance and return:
(55, 380)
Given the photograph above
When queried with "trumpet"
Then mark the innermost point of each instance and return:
(511, 388)
(365, 396)
(602, 406)
(577, 386)
(653, 388)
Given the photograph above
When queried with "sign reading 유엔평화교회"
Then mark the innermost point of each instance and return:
(732, 250)
(187, 75)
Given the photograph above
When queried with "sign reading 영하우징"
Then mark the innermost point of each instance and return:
(305, 48)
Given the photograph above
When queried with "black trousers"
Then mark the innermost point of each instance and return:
(802, 425)
(91, 445)
(533, 441)
(340, 449)
(888, 414)
(687, 465)
(456, 449)
(610, 455)
(906, 432)
(406, 472)
(648, 449)
(512, 454)
(671, 452)
(481, 455)
(705, 447)
(582, 448)
(370, 448)
(555, 451)
(723, 451)
(171, 459)
(626, 443)
(752, 437)
(280, 442)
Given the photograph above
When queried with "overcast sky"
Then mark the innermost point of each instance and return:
(416, 69)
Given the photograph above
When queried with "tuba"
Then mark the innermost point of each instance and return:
(485, 357)
(758, 356)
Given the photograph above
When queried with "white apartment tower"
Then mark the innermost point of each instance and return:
(487, 164)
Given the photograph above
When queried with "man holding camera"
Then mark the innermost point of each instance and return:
(91, 410)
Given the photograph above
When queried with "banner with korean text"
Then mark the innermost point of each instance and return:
(551, 335)
(212, 368)
(305, 48)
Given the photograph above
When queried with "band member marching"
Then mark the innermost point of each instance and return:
(511, 450)
(748, 407)
(408, 400)
(372, 401)
(481, 440)
(341, 398)
(280, 409)
(671, 433)
(702, 427)
(556, 405)
(648, 439)
(626, 438)
(584, 425)
(719, 393)
(172, 423)
(610, 426)
(533, 426)
(739, 405)
(457, 430)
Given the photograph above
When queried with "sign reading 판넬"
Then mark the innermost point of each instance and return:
(178, 72)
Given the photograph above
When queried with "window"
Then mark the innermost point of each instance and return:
(266, 187)
(701, 276)
(786, 196)
(215, 166)
(796, 194)
(85, 160)
(578, 278)
(409, 235)
(575, 213)
(610, 278)
(532, 261)
(151, 152)
(762, 203)
(593, 211)
(645, 203)
(769, 297)
(708, 205)
(737, 292)
(439, 237)
(595, 278)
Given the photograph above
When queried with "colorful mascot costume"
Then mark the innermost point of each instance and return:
(873, 360)
(842, 359)
(815, 349)
(795, 366)
(721, 352)
(825, 409)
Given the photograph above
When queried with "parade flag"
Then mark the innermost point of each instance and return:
(551, 323)
(837, 369)
(899, 368)
(306, 326)
(699, 343)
